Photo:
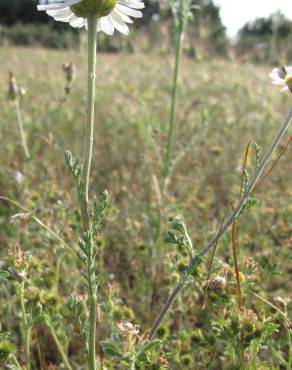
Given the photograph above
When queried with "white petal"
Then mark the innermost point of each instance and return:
(62, 15)
(285, 88)
(58, 6)
(59, 13)
(106, 25)
(77, 22)
(135, 4)
(118, 23)
(280, 83)
(98, 26)
(124, 17)
(289, 70)
(275, 77)
(128, 11)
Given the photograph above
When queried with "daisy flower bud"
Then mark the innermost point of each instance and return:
(217, 284)
(12, 87)
(110, 14)
(69, 69)
(283, 77)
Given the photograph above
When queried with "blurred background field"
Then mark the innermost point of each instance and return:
(225, 99)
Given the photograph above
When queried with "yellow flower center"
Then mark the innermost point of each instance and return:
(100, 8)
(288, 81)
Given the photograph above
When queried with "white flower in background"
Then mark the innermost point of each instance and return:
(283, 77)
(18, 176)
(110, 14)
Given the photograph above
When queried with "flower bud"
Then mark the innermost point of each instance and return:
(12, 87)
(69, 69)
(217, 284)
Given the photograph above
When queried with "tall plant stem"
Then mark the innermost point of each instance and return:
(167, 159)
(58, 344)
(225, 225)
(92, 29)
(21, 129)
(26, 326)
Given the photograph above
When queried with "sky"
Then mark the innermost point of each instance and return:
(235, 13)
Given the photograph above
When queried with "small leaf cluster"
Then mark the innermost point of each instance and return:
(76, 172)
(182, 13)
(177, 234)
(143, 355)
(77, 307)
(98, 212)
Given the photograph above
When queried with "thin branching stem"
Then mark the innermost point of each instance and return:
(167, 159)
(268, 303)
(236, 268)
(58, 345)
(38, 221)
(229, 220)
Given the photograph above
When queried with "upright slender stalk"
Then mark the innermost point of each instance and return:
(92, 29)
(228, 221)
(21, 129)
(168, 152)
(92, 327)
(167, 159)
(26, 326)
(58, 344)
(88, 146)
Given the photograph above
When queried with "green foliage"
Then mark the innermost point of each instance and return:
(178, 235)
(266, 38)
(39, 35)
(130, 135)
(78, 309)
(76, 172)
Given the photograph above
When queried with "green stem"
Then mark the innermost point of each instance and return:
(288, 328)
(92, 29)
(92, 43)
(58, 344)
(15, 362)
(92, 330)
(21, 129)
(225, 225)
(26, 326)
(167, 159)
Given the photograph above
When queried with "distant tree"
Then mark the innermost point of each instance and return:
(266, 38)
(20, 11)
(207, 26)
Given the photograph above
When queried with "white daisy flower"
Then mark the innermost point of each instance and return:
(110, 14)
(283, 77)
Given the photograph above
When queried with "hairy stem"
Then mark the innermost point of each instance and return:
(58, 345)
(21, 129)
(229, 220)
(26, 326)
(167, 159)
(92, 330)
(92, 29)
